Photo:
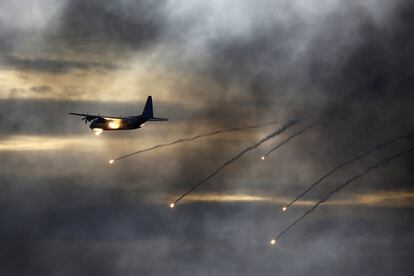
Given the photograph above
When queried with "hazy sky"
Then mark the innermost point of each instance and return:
(208, 65)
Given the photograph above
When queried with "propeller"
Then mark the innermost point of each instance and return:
(88, 118)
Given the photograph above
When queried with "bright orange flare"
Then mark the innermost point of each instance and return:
(111, 161)
(172, 205)
(273, 242)
(263, 158)
(114, 124)
(284, 209)
(97, 131)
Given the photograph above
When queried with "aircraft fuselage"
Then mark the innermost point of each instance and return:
(118, 124)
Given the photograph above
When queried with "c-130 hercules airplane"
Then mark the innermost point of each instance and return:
(100, 123)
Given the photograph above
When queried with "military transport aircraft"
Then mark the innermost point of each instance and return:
(99, 123)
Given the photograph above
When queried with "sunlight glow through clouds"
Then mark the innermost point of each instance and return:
(36, 143)
(389, 199)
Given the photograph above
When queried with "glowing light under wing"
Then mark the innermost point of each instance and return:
(114, 124)
(97, 131)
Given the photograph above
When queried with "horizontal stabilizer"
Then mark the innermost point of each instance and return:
(157, 119)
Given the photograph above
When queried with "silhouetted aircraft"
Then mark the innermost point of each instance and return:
(100, 123)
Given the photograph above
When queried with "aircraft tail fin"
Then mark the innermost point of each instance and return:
(149, 113)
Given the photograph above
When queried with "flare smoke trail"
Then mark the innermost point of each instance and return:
(271, 135)
(194, 138)
(337, 189)
(291, 137)
(378, 147)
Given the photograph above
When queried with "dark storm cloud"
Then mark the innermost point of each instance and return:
(134, 24)
(373, 83)
(22, 23)
(375, 60)
(347, 68)
(381, 62)
(59, 26)
(51, 65)
(256, 62)
(7, 39)
(348, 59)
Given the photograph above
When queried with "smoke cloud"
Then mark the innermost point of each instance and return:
(209, 65)
(340, 187)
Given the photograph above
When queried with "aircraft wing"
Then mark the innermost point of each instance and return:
(91, 116)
